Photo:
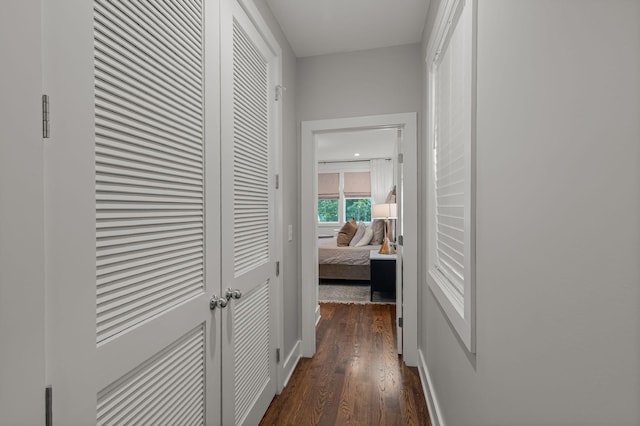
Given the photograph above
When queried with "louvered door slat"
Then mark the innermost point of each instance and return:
(147, 173)
(119, 81)
(251, 155)
(120, 146)
(179, 36)
(141, 221)
(122, 108)
(186, 15)
(125, 71)
(118, 60)
(121, 65)
(166, 389)
(149, 167)
(113, 131)
(152, 375)
(142, 96)
(251, 351)
(164, 42)
(191, 28)
(170, 277)
(250, 105)
(115, 181)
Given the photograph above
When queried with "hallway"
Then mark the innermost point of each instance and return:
(355, 378)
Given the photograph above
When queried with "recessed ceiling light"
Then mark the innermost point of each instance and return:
(357, 154)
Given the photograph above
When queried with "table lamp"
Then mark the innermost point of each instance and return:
(384, 211)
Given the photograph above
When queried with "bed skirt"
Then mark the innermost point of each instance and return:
(344, 272)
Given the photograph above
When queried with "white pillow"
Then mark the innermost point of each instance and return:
(366, 238)
(358, 235)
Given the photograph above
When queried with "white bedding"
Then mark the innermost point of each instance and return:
(330, 253)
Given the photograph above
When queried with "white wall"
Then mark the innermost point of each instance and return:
(558, 222)
(290, 187)
(369, 82)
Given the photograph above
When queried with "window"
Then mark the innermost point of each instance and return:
(328, 211)
(451, 132)
(343, 195)
(358, 208)
(357, 195)
(328, 197)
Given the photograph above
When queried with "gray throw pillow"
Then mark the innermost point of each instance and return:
(359, 233)
(378, 231)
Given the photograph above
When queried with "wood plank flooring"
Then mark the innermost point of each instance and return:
(356, 376)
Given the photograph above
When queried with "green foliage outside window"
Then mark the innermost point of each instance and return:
(358, 208)
(327, 210)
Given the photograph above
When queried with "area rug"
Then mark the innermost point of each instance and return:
(351, 293)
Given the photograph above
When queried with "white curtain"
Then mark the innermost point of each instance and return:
(381, 179)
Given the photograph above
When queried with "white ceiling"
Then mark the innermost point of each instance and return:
(341, 146)
(318, 27)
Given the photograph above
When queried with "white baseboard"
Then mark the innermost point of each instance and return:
(317, 314)
(429, 393)
(290, 363)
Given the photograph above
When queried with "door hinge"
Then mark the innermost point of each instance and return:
(45, 117)
(277, 181)
(280, 91)
(278, 355)
(277, 268)
(48, 406)
(400, 240)
(400, 158)
(400, 322)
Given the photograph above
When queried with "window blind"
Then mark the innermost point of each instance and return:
(357, 185)
(328, 186)
(452, 141)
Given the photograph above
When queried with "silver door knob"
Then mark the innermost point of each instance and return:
(216, 302)
(233, 294)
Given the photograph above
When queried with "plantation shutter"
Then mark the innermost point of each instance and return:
(357, 185)
(328, 186)
(452, 147)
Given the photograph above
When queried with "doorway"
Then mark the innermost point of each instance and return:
(355, 172)
(407, 268)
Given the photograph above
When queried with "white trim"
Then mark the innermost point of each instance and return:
(435, 413)
(289, 365)
(263, 28)
(309, 252)
(460, 313)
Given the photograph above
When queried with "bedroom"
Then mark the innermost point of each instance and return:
(356, 171)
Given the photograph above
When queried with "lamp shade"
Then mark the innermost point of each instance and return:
(384, 211)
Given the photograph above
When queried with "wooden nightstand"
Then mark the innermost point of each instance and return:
(383, 272)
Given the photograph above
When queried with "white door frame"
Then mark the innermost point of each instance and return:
(308, 192)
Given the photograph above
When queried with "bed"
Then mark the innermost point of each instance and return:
(343, 263)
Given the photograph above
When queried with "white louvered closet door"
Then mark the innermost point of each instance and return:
(248, 260)
(132, 339)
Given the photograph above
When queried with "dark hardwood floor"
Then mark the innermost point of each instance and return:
(356, 376)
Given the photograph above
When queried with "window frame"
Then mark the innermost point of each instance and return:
(459, 307)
